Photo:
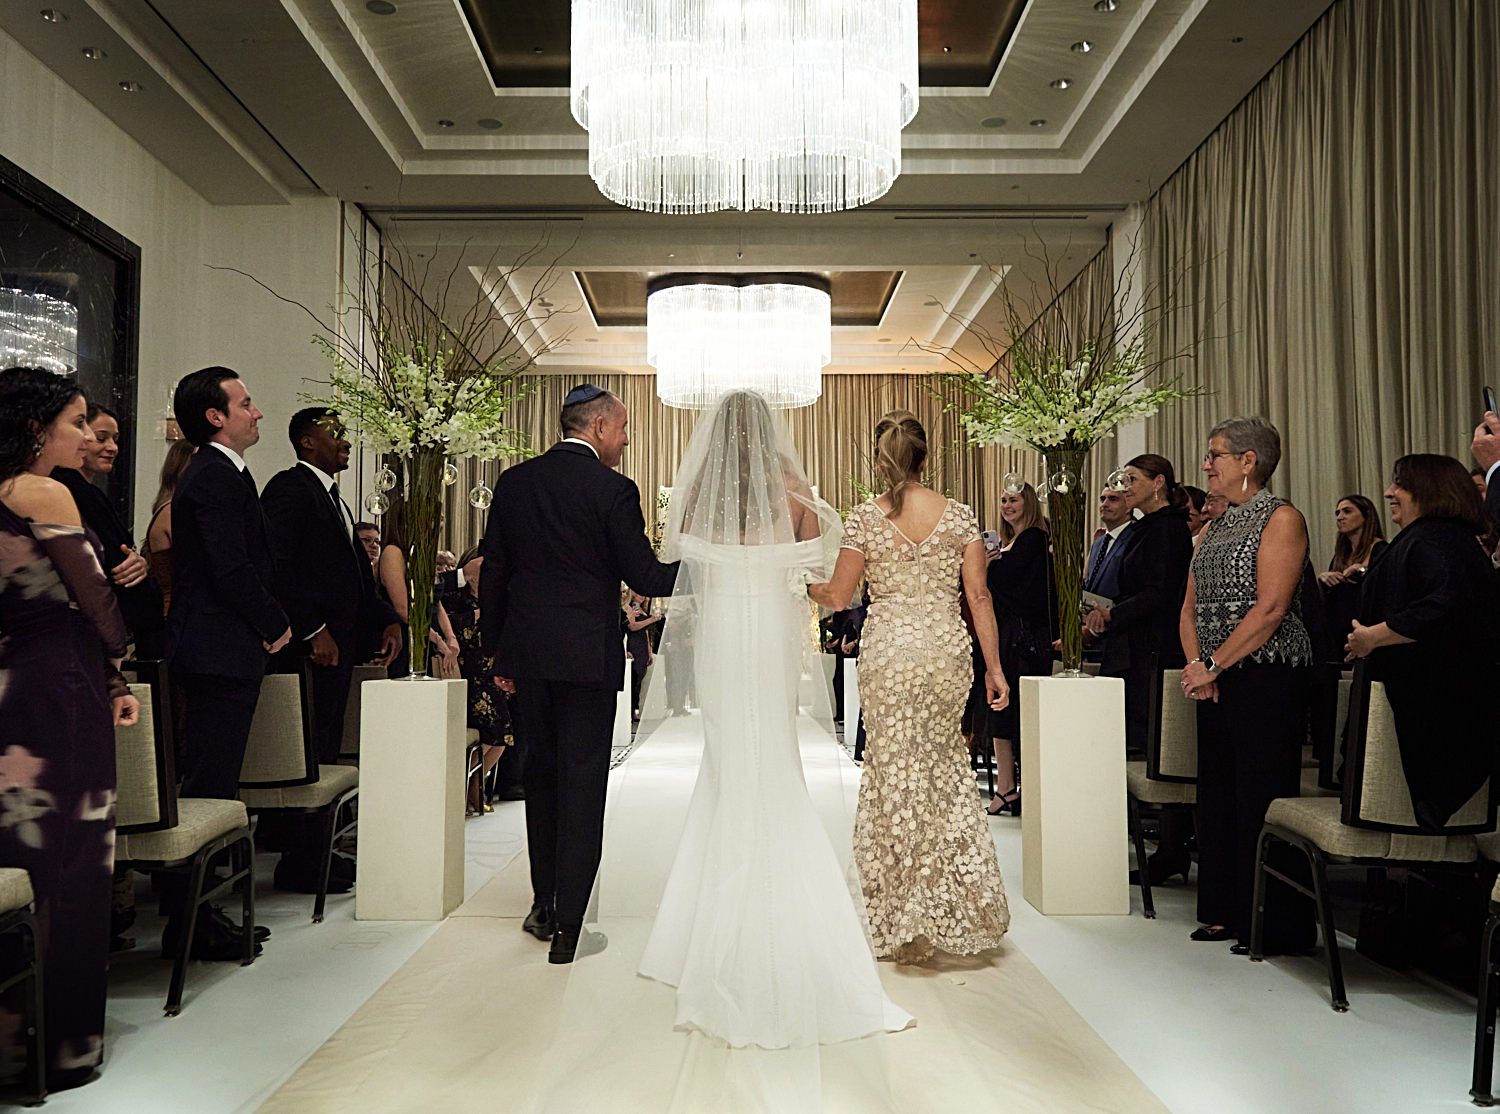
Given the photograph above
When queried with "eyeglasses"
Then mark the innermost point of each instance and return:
(1211, 456)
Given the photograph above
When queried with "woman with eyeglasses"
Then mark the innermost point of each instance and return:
(1248, 654)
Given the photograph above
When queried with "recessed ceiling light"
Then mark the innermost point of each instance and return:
(1061, 83)
(489, 122)
(445, 123)
(1082, 46)
(94, 54)
(380, 7)
(1106, 5)
(130, 86)
(671, 255)
(992, 122)
(1038, 123)
(52, 15)
(947, 50)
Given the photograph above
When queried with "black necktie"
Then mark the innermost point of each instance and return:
(338, 508)
(249, 481)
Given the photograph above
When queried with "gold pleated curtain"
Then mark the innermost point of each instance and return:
(1333, 251)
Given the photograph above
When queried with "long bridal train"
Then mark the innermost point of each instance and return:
(757, 928)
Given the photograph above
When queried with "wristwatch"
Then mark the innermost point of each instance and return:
(1212, 666)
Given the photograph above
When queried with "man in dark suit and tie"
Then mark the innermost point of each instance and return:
(224, 623)
(1486, 449)
(565, 530)
(324, 581)
(1101, 576)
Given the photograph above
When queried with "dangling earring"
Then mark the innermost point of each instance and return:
(1244, 484)
(40, 445)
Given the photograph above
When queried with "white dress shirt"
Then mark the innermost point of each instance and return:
(234, 457)
(580, 441)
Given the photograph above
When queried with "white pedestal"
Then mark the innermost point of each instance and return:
(1074, 838)
(410, 865)
(622, 713)
(851, 701)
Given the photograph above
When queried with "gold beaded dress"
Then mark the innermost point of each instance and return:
(922, 846)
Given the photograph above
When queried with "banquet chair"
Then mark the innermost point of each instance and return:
(1167, 780)
(1481, 1091)
(349, 747)
(281, 773)
(1371, 825)
(157, 831)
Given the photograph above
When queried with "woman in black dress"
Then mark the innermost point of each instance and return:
(1152, 579)
(1426, 626)
(489, 706)
(60, 693)
(1361, 540)
(1020, 583)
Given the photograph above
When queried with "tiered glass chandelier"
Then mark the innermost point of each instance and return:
(37, 330)
(710, 334)
(795, 106)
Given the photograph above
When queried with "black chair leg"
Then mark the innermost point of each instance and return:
(1330, 936)
(325, 864)
(36, 1068)
(246, 850)
(1258, 902)
(189, 915)
(1133, 812)
(1482, 1091)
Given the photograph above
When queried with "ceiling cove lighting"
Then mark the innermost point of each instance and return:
(795, 106)
(707, 335)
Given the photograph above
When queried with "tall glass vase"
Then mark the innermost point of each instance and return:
(1065, 502)
(423, 515)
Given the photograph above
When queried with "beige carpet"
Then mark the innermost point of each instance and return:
(471, 1023)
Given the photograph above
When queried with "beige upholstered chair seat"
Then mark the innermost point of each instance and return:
(472, 736)
(1489, 846)
(199, 821)
(1311, 788)
(333, 781)
(15, 889)
(1151, 792)
(1318, 819)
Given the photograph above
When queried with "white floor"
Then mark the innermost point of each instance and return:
(1205, 1030)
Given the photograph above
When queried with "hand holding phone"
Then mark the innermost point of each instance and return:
(1489, 404)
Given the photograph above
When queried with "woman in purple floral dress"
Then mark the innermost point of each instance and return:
(61, 638)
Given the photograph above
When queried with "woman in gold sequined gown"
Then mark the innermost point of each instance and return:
(927, 865)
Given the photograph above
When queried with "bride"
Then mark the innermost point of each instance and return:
(757, 928)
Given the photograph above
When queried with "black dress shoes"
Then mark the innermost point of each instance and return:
(229, 924)
(569, 944)
(212, 940)
(540, 922)
(1212, 935)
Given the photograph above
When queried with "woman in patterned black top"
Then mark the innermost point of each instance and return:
(60, 693)
(1248, 659)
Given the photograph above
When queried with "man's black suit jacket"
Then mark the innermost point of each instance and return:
(140, 605)
(323, 576)
(563, 533)
(222, 571)
(1492, 501)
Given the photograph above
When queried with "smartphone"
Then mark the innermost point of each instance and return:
(1489, 400)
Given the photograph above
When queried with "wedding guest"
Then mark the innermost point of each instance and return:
(64, 638)
(1360, 540)
(489, 707)
(158, 549)
(140, 601)
(225, 622)
(1486, 449)
(1101, 571)
(1427, 627)
(390, 583)
(926, 862)
(445, 562)
(1197, 508)
(1149, 587)
(1247, 651)
(637, 621)
(1020, 582)
(369, 539)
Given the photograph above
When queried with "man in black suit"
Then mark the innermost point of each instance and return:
(137, 593)
(565, 530)
(1486, 449)
(323, 579)
(224, 623)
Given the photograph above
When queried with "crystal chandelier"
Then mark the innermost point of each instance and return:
(710, 334)
(37, 330)
(795, 106)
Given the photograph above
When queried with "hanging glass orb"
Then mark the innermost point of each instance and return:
(385, 479)
(480, 496)
(1013, 484)
(1063, 483)
(1118, 480)
(377, 503)
(450, 474)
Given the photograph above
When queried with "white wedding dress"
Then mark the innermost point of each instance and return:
(757, 927)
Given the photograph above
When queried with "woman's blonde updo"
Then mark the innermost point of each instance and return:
(900, 452)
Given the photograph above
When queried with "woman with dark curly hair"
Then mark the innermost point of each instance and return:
(60, 692)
